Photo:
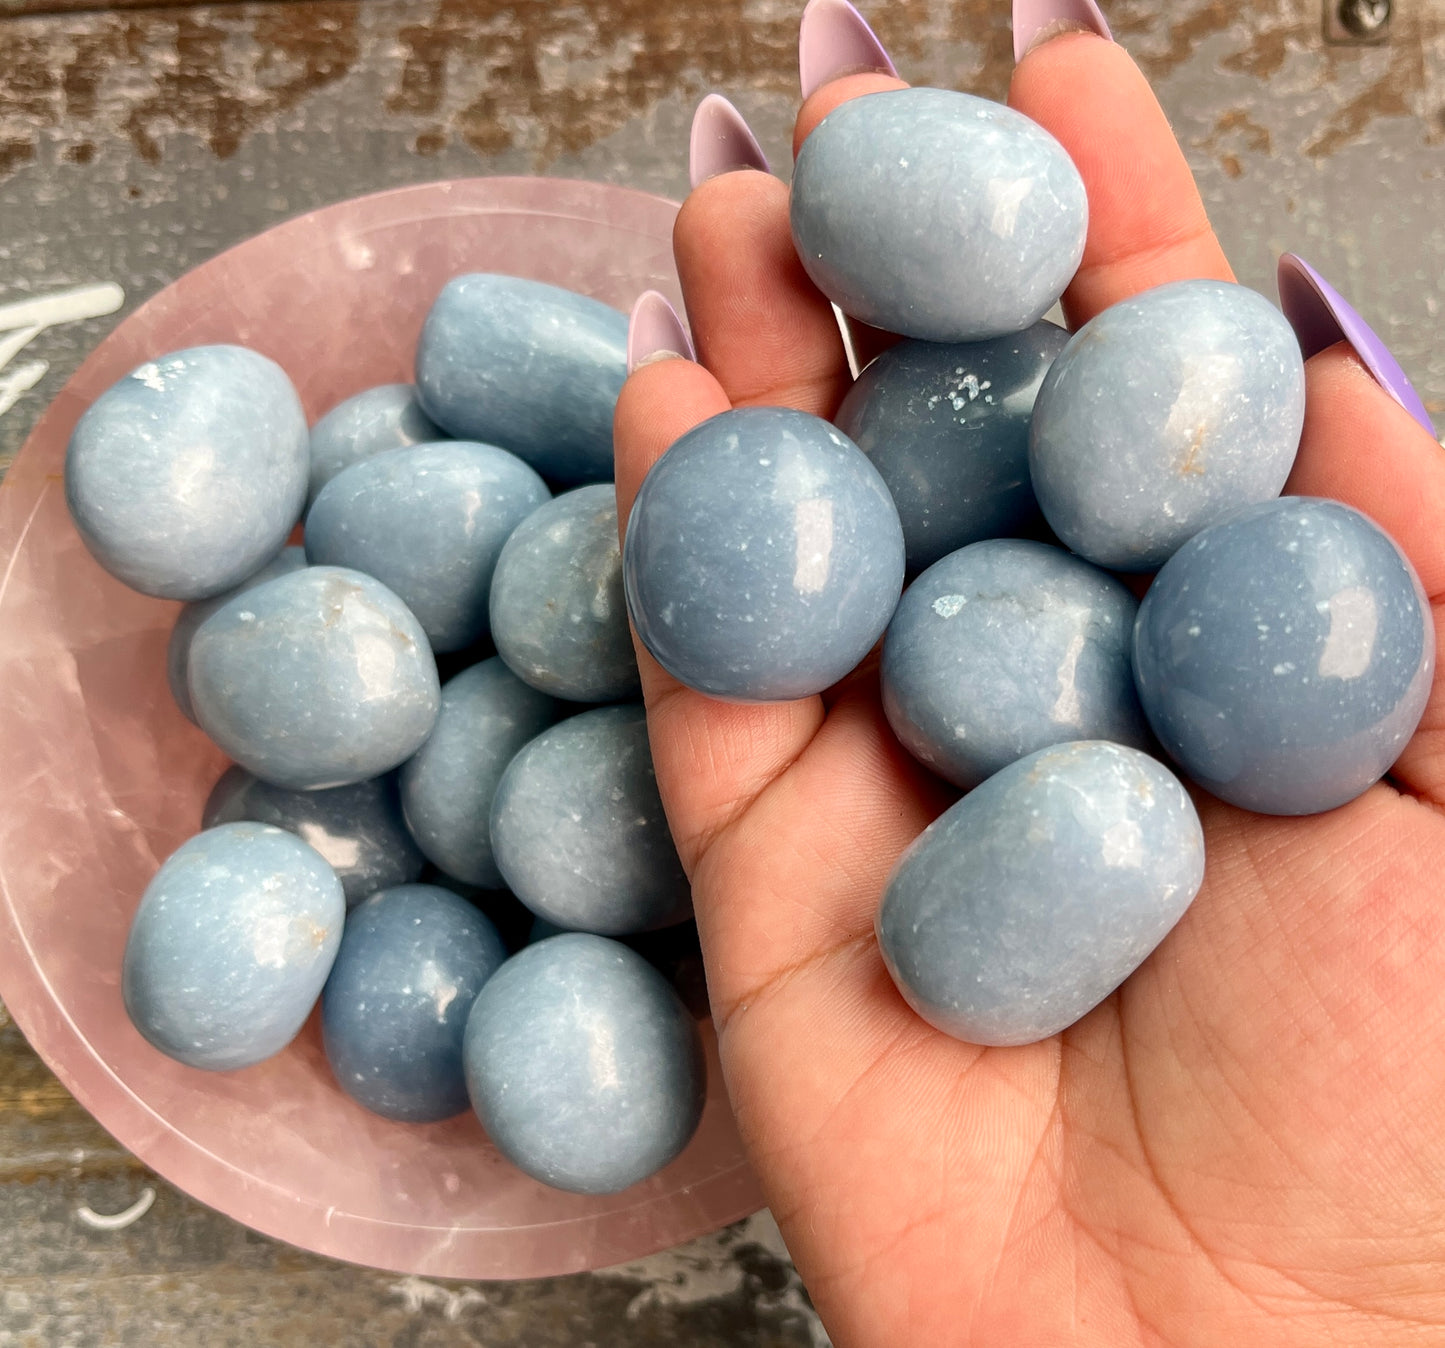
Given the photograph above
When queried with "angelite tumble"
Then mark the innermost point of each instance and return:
(531, 367)
(370, 422)
(763, 556)
(938, 215)
(1005, 647)
(583, 1065)
(318, 678)
(187, 475)
(1164, 413)
(1028, 902)
(947, 426)
(428, 522)
(230, 946)
(1284, 656)
(394, 1011)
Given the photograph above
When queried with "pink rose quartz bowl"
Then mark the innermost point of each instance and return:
(104, 777)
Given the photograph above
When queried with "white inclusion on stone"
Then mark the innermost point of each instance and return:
(1067, 709)
(949, 605)
(472, 504)
(1123, 844)
(1208, 384)
(1005, 198)
(1350, 644)
(375, 665)
(270, 937)
(813, 545)
(339, 851)
(442, 991)
(191, 474)
(602, 1054)
(150, 375)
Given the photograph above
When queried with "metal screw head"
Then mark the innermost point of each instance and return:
(1364, 18)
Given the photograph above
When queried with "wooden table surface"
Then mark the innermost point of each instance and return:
(138, 138)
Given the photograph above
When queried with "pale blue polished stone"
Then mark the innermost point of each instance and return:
(558, 615)
(1028, 902)
(1163, 414)
(370, 422)
(230, 946)
(189, 619)
(428, 522)
(394, 1011)
(531, 367)
(583, 1065)
(578, 829)
(187, 475)
(487, 715)
(947, 427)
(1005, 647)
(937, 215)
(318, 678)
(358, 829)
(763, 557)
(1285, 655)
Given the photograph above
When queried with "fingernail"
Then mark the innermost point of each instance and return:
(1321, 316)
(721, 141)
(833, 40)
(1036, 21)
(655, 332)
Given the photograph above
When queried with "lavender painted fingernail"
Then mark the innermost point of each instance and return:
(1321, 316)
(654, 330)
(835, 40)
(1036, 21)
(721, 141)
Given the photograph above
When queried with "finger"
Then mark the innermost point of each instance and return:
(1147, 223)
(711, 758)
(1361, 447)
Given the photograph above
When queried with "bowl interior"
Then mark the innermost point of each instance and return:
(107, 778)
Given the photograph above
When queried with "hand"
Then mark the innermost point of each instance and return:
(1244, 1144)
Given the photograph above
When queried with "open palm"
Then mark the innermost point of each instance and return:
(1246, 1142)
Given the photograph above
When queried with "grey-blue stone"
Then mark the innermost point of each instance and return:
(763, 557)
(394, 1011)
(428, 522)
(937, 215)
(1005, 647)
(370, 422)
(230, 946)
(1029, 901)
(578, 830)
(1163, 414)
(584, 1067)
(947, 427)
(358, 829)
(558, 614)
(487, 715)
(318, 678)
(189, 619)
(1284, 656)
(187, 475)
(531, 367)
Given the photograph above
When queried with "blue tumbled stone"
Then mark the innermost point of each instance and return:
(1285, 655)
(947, 427)
(763, 557)
(531, 367)
(487, 715)
(318, 678)
(937, 215)
(230, 946)
(370, 422)
(190, 618)
(394, 1011)
(1028, 902)
(428, 522)
(186, 476)
(1005, 647)
(578, 829)
(558, 615)
(583, 1065)
(358, 829)
(1163, 414)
